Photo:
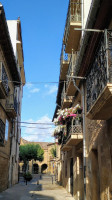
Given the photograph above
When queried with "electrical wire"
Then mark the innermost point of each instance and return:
(34, 123)
(35, 127)
(41, 82)
(50, 134)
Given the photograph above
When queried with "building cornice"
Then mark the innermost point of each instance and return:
(6, 45)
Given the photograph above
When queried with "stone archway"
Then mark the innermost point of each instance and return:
(35, 168)
(44, 168)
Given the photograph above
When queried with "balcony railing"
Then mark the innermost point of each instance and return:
(2, 132)
(64, 62)
(74, 134)
(71, 66)
(99, 81)
(65, 100)
(3, 81)
(63, 95)
(11, 105)
(74, 129)
(73, 18)
(64, 56)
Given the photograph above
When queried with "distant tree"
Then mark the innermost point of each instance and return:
(53, 151)
(29, 152)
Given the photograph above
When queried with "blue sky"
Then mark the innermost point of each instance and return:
(42, 32)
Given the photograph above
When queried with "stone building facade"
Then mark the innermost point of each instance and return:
(51, 159)
(10, 99)
(47, 165)
(86, 79)
(14, 27)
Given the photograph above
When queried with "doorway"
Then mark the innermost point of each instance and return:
(35, 168)
(95, 176)
(71, 176)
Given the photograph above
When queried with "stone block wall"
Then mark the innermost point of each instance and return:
(99, 159)
(4, 169)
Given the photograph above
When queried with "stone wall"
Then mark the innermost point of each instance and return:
(4, 155)
(5, 149)
(72, 172)
(49, 161)
(99, 159)
(4, 165)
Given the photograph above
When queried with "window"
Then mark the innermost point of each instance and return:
(6, 129)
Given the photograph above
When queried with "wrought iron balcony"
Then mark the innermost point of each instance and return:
(74, 134)
(2, 133)
(70, 88)
(3, 82)
(65, 100)
(99, 81)
(64, 62)
(11, 106)
(71, 37)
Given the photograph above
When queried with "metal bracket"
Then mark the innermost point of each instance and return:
(90, 30)
(58, 105)
(76, 86)
(73, 79)
(76, 77)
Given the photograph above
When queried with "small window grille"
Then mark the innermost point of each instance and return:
(2, 132)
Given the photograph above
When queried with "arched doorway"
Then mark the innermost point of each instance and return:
(43, 168)
(35, 168)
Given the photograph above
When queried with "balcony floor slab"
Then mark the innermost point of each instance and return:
(73, 140)
(11, 112)
(70, 89)
(102, 108)
(66, 103)
(72, 41)
(63, 71)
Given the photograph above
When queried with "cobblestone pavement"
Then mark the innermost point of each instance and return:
(36, 190)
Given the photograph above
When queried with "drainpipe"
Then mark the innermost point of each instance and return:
(84, 140)
(72, 62)
(107, 48)
(10, 159)
(82, 14)
(64, 90)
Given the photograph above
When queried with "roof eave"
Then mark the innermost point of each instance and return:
(6, 45)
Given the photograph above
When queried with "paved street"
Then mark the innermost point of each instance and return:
(45, 190)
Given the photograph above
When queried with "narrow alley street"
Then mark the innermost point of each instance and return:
(43, 189)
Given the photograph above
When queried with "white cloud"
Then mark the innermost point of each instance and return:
(31, 88)
(51, 89)
(34, 90)
(29, 85)
(39, 132)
